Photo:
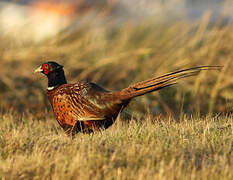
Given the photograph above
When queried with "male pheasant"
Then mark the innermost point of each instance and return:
(86, 107)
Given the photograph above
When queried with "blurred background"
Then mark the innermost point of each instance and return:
(116, 43)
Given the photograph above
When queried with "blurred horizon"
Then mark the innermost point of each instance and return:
(35, 21)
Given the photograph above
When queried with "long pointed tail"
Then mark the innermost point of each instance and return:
(163, 81)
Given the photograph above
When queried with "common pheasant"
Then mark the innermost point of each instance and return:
(86, 107)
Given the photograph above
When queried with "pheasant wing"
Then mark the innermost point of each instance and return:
(84, 102)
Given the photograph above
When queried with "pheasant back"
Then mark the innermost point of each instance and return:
(84, 106)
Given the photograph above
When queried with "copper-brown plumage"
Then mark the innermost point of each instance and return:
(86, 107)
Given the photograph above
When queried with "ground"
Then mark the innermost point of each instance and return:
(157, 148)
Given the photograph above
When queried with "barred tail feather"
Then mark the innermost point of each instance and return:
(163, 81)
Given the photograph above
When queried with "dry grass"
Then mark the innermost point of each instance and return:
(187, 144)
(157, 148)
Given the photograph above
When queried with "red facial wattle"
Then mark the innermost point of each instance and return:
(45, 68)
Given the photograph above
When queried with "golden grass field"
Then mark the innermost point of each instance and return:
(182, 132)
(159, 148)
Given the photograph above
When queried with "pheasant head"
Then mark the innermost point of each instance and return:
(54, 73)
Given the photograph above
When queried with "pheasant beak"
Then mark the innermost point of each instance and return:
(38, 70)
